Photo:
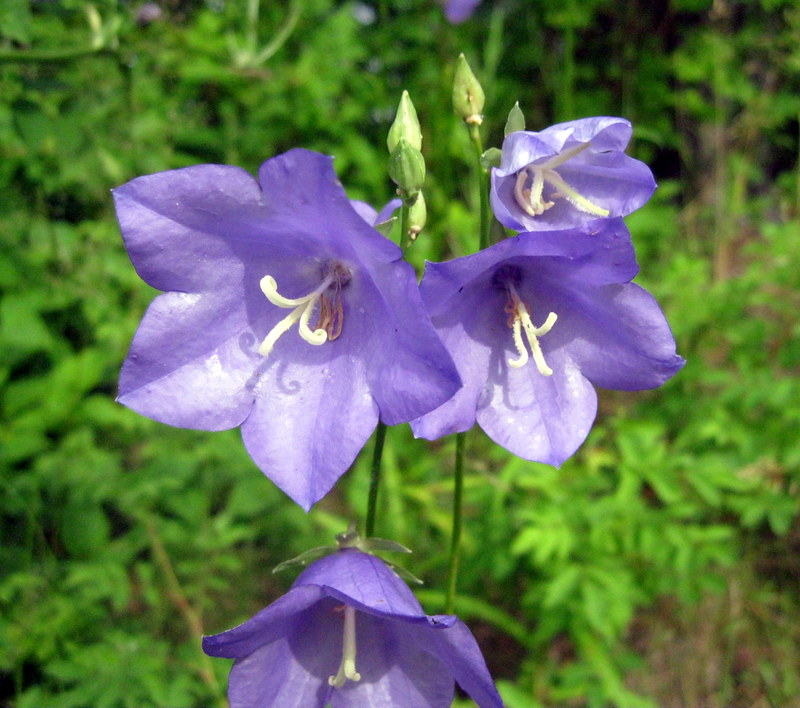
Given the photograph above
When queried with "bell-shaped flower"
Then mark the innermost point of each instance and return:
(350, 634)
(568, 175)
(284, 313)
(533, 324)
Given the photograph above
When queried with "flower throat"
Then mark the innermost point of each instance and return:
(328, 296)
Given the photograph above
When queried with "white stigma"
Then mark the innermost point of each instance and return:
(531, 199)
(347, 667)
(520, 321)
(302, 309)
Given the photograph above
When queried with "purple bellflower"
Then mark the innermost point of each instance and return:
(533, 323)
(245, 266)
(458, 11)
(351, 634)
(568, 175)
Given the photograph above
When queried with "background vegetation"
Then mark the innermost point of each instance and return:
(658, 567)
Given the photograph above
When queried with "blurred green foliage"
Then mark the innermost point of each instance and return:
(657, 567)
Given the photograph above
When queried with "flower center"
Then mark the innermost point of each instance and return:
(529, 187)
(347, 667)
(519, 319)
(331, 314)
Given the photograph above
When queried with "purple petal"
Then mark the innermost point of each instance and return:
(458, 650)
(364, 581)
(536, 417)
(178, 378)
(312, 415)
(458, 11)
(175, 224)
(264, 628)
(292, 670)
(396, 669)
(620, 339)
(409, 370)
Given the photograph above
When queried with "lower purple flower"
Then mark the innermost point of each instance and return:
(351, 634)
(533, 323)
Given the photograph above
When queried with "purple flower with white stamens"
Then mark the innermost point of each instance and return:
(533, 323)
(350, 634)
(285, 313)
(568, 175)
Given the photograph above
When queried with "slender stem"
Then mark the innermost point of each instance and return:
(179, 599)
(282, 34)
(375, 479)
(44, 56)
(455, 538)
(405, 240)
(483, 185)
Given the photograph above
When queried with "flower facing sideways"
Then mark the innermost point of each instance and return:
(284, 313)
(350, 634)
(568, 175)
(533, 323)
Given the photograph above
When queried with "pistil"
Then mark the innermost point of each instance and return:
(531, 198)
(519, 319)
(347, 667)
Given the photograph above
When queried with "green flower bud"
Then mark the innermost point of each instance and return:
(406, 125)
(417, 216)
(468, 98)
(515, 122)
(407, 169)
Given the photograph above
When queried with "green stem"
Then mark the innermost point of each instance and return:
(483, 185)
(374, 479)
(53, 55)
(455, 538)
(282, 34)
(405, 239)
(179, 599)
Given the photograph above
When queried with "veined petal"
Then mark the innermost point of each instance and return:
(312, 415)
(539, 418)
(176, 224)
(364, 581)
(458, 650)
(178, 378)
(396, 669)
(409, 370)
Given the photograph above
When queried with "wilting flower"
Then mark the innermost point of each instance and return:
(284, 312)
(568, 175)
(533, 323)
(457, 11)
(350, 633)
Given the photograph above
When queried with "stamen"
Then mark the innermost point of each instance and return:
(519, 321)
(347, 667)
(531, 200)
(302, 309)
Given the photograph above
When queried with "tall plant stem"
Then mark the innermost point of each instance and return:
(483, 185)
(455, 537)
(375, 479)
(179, 599)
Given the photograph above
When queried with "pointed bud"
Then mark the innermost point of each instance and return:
(407, 169)
(468, 98)
(417, 216)
(515, 122)
(406, 125)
